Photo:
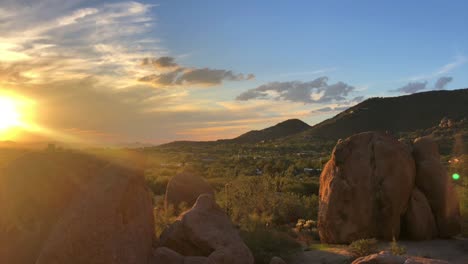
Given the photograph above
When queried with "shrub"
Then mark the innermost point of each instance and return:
(397, 249)
(257, 199)
(157, 183)
(165, 217)
(363, 247)
(267, 243)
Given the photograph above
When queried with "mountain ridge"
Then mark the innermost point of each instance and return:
(388, 114)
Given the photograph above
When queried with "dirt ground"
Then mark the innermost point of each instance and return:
(455, 251)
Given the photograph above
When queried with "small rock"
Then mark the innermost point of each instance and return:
(277, 260)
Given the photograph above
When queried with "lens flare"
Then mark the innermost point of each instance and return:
(456, 176)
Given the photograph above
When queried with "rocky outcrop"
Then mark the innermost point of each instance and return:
(385, 257)
(111, 222)
(372, 181)
(185, 188)
(65, 207)
(433, 181)
(365, 188)
(205, 231)
(35, 190)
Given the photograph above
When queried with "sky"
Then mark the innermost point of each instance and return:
(158, 71)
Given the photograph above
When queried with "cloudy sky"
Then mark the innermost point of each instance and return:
(157, 71)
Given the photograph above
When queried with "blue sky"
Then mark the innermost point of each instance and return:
(157, 71)
(368, 42)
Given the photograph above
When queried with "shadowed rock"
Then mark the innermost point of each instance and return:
(185, 188)
(111, 222)
(432, 179)
(277, 260)
(419, 223)
(65, 207)
(206, 231)
(35, 189)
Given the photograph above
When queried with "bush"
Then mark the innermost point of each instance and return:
(363, 247)
(157, 183)
(165, 217)
(267, 243)
(257, 201)
(397, 249)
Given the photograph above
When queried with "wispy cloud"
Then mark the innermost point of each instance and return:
(316, 91)
(459, 61)
(80, 42)
(308, 73)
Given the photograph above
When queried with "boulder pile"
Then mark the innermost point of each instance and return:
(65, 207)
(375, 186)
(205, 234)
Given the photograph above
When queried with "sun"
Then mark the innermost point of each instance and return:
(10, 115)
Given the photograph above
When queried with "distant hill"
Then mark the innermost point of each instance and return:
(284, 129)
(281, 130)
(393, 114)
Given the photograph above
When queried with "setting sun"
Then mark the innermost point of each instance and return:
(9, 114)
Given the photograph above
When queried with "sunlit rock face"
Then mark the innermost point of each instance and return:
(64, 207)
(365, 188)
(376, 186)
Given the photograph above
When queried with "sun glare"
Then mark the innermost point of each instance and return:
(16, 115)
(9, 114)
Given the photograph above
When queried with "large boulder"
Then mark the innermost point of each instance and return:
(432, 179)
(111, 222)
(66, 207)
(419, 222)
(206, 231)
(185, 188)
(35, 189)
(365, 188)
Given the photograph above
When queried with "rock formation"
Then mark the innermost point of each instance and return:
(111, 222)
(185, 188)
(65, 207)
(419, 222)
(433, 181)
(204, 231)
(365, 188)
(277, 260)
(372, 181)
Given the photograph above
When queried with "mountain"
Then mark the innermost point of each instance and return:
(281, 130)
(393, 114)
